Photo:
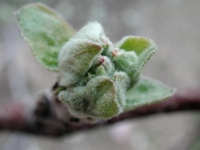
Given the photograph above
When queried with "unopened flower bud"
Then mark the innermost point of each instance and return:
(127, 62)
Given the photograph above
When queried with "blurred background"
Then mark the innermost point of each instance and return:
(174, 25)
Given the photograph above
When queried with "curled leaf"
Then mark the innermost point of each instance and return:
(102, 91)
(144, 48)
(75, 59)
(122, 82)
(74, 99)
(137, 44)
(94, 32)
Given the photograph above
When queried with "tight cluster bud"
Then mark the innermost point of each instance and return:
(96, 73)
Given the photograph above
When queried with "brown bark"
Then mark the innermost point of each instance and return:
(43, 120)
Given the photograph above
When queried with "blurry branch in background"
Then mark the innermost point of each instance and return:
(43, 119)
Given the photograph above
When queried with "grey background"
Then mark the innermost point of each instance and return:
(174, 25)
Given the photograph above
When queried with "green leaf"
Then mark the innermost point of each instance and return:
(122, 82)
(147, 91)
(94, 32)
(98, 99)
(75, 59)
(136, 43)
(101, 90)
(45, 31)
(144, 49)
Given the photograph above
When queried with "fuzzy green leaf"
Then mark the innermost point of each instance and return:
(147, 91)
(122, 82)
(98, 99)
(144, 49)
(94, 32)
(101, 90)
(75, 59)
(136, 43)
(128, 62)
(45, 31)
